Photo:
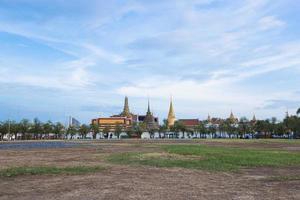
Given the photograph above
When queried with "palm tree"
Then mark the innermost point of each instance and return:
(212, 130)
(14, 128)
(298, 111)
(162, 129)
(106, 131)
(243, 127)
(58, 130)
(180, 127)
(47, 128)
(2, 130)
(84, 130)
(118, 130)
(139, 128)
(24, 127)
(37, 128)
(129, 131)
(95, 129)
(71, 131)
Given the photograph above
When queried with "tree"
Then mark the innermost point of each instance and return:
(37, 128)
(71, 131)
(292, 125)
(298, 111)
(180, 127)
(14, 128)
(47, 128)
(95, 129)
(24, 127)
(84, 130)
(118, 130)
(243, 127)
(106, 131)
(162, 129)
(2, 130)
(58, 130)
(139, 128)
(212, 130)
(280, 129)
(129, 131)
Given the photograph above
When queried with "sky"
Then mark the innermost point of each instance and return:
(80, 58)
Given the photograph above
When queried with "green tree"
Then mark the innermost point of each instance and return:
(106, 131)
(58, 130)
(72, 130)
(180, 127)
(2, 130)
(24, 127)
(95, 129)
(14, 128)
(118, 130)
(129, 131)
(162, 129)
(280, 129)
(298, 111)
(139, 128)
(37, 128)
(84, 130)
(243, 127)
(212, 130)
(47, 129)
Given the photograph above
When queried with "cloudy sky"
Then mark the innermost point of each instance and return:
(80, 58)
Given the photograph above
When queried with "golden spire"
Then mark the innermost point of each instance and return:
(126, 112)
(208, 118)
(171, 115)
(231, 115)
(254, 118)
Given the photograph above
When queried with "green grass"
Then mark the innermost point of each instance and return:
(210, 158)
(262, 141)
(17, 171)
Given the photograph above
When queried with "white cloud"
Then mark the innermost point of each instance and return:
(270, 22)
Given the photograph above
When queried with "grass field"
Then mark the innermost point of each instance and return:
(209, 158)
(46, 170)
(152, 169)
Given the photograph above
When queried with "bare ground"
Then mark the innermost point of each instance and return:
(132, 182)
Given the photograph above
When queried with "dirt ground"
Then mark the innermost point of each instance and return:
(133, 182)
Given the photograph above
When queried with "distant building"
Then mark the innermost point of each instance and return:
(124, 119)
(126, 111)
(171, 116)
(189, 123)
(112, 122)
(73, 122)
(232, 119)
(149, 120)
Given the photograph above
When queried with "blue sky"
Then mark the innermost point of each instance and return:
(80, 58)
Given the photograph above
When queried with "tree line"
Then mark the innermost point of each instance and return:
(269, 128)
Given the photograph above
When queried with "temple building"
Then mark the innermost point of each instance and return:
(232, 119)
(190, 124)
(112, 122)
(171, 116)
(126, 112)
(124, 119)
(149, 120)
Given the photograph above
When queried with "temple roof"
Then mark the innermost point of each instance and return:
(190, 122)
(149, 119)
